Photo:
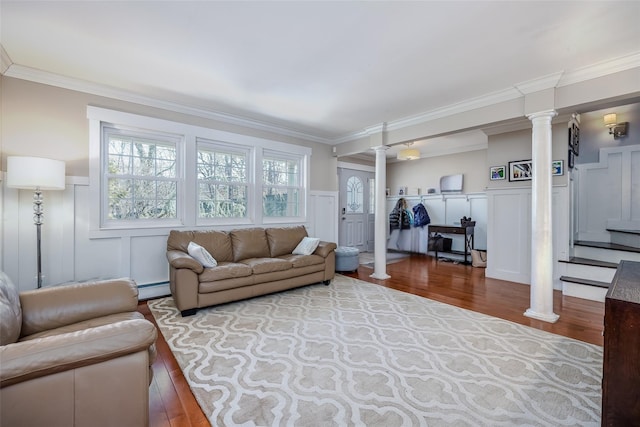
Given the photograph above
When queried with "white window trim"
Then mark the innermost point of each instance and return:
(189, 210)
(304, 179)
(178, 142)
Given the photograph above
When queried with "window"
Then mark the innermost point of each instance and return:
(355, 196)
(140, 176)
(223, 181)
(148, 175)
(282, 190)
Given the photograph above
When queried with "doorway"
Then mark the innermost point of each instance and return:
(357, 209)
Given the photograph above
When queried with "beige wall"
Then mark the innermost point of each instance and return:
(502, 149)
(42, 120)
(513, 146)
(426, 173)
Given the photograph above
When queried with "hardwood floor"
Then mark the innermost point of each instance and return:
(171, 402)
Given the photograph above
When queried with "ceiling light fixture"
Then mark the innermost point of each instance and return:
(409, 153)
(616, 129)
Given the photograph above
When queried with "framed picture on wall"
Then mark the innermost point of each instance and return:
(557, 167)
(497, 173)
(520, 170)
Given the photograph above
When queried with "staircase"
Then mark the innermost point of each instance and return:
(590, 271)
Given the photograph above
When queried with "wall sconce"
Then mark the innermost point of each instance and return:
(408, 153)
(616, 129)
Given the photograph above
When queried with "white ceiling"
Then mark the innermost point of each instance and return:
(325, 69)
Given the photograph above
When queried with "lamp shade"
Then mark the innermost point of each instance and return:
(610, 120)
(408, 154)
(35, 172)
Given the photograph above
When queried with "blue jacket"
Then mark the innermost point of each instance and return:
(420, 215)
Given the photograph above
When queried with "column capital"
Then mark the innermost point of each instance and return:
(542, 114)
(380, 148)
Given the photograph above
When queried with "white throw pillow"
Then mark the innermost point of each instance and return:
(201, 254)
(306, 246)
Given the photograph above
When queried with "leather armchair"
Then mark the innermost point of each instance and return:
(74, 355)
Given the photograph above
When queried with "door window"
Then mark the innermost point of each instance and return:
(355, 195)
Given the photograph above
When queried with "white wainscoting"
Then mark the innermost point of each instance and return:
(608, 193)
(509, 233)
(323, 215)
(442, 209)
(19, 236)
(69, 255)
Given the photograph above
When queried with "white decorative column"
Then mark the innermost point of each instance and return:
(380, 247)
(541, 304)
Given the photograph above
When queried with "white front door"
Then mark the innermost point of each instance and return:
(356, 209)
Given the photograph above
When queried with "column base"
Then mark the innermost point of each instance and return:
(551, 318)
(380, 276)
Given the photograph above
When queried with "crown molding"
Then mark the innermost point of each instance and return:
(600, 69)
(460, 107)
(558, 79)
(372, 130)
(5, 60)
(546, 82)
(38, 76)
(366, 132)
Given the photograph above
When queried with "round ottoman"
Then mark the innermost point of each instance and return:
(347, 258)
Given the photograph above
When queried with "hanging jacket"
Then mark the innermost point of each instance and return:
(420, 216)
(400, 217)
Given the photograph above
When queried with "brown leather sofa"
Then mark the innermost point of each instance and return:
(74, 355)
(251, 262)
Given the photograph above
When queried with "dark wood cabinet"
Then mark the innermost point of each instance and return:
(621, 365)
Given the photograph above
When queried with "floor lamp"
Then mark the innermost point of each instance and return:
(38, 174)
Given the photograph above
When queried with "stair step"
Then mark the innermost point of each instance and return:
(606, 245)
(591, 262)
(628, 237)
(604, 254)
(624, 230)
(582, 281)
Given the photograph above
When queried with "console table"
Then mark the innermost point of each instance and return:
(467, 231)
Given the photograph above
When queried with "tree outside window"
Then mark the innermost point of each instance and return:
(148, 174)
(141, 177)
(282, 189)
(222, 182)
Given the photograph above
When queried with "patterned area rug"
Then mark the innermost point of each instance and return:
(358, 354)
